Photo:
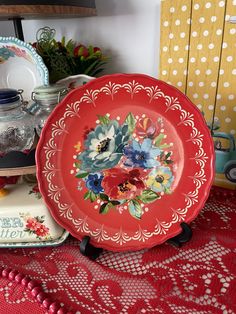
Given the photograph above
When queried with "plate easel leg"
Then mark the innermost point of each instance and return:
(88, 249)
(184, 236)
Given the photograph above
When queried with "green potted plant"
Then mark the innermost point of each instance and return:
(66, 58)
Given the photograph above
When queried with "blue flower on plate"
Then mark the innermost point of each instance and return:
(142, 155)
(6, 53)
(104, 146)
(93, 182)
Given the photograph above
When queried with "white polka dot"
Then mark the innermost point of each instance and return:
(165, 48)
(202, 20)
(195, 95)
(182, 35)
(221, 4)
(231, 97)
(199, 46)
(234, 108)
(201, 84)
(172, 10)
(210, 107)
(190, 83)
(164, 72)
(234, 2)
(192, 60)
(224, 45)
(197, 72)
(171, 35)
(186, 47)
(166, 23)
(216, 59)
(205, 96)
(234, 71)
(222, 71)
(208, 5)
(219, 31)
(229, 58)
(175, 72)
(179, 84)
(185, 72)
(181, 60)
(205, 33)
(170, 60)
(213, 18)
(226, 84)
(194, 34)
(176, 48)
(218, 96)
(203, 59)
(208, 72)
(177, 22)
(184, 8)
(199, 106)
(232, 132)
(211, 46)
(222, 108)
(188, 21)
(227, 120)
(196, 6)
(232, 31)
(213, 84)
(227, 17)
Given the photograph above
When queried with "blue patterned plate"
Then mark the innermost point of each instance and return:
(21, 67)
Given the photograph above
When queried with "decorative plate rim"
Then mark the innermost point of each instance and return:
(140, 235)
(41, 67)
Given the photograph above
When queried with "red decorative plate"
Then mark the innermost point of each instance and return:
(125, 159)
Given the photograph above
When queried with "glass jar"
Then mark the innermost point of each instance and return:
(16, 125)
(46, 99)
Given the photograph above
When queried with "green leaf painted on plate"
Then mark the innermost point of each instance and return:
(87, 195)
(104, 208)
(135, 209)
(104, 119)
(93, 196)
(158, 139)
(148, 196)
(81, 174)
(130, 121)
(103, 197)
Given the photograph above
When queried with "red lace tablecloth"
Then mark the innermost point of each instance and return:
(198, 278)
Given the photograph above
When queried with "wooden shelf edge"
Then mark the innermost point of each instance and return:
(44, 11)
(17, 171)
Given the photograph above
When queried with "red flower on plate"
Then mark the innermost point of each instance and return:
(31, 224)
(121, 184)
(41, 230)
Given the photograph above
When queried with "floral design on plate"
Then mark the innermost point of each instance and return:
(35, 226)
(10, 51)
(124, 165)
(35, 191)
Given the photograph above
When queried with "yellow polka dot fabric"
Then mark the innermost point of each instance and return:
(198, 56)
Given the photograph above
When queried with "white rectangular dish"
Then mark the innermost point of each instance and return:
(25, 220)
